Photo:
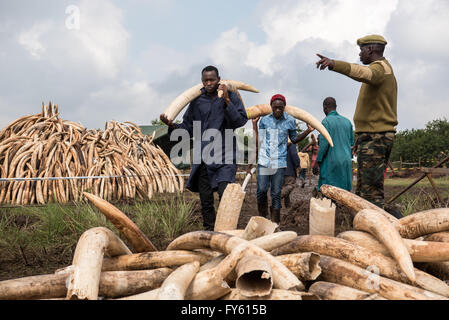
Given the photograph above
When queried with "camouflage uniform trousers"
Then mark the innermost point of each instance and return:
(373, 153)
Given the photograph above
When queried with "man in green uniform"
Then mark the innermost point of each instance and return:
(375, 116)
(335, 164)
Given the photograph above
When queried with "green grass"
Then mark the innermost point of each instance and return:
(421, 200)
(442, 182)
(37, 235)
(421, 196)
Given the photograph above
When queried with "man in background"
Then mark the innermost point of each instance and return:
(304, 165)
(293, 163)
(335, 164)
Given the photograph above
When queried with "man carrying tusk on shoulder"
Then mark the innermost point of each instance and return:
(274, 130)
(216, 166)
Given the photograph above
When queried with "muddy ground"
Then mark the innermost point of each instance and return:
(295, 218)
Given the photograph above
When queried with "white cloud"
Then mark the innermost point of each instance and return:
(338, 23)
(420, 28)
(31, 39)
(101, 72)
(124, 101)
(102, 35)
(100, 44)
(233, 48)
(290, 22)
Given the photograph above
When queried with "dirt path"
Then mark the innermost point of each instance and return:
(296, 218)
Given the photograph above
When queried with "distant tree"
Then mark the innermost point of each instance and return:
(429, 144)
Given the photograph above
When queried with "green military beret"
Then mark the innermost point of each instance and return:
(371, 39)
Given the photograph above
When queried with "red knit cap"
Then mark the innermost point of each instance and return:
(278, 97)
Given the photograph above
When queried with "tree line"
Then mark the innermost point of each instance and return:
(426, 145)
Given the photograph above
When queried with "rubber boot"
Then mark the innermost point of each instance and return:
(394, 211)
(287, 202)
(263, 209)
(275, 215)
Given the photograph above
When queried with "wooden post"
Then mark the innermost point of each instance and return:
(434, 188)
(416, 181)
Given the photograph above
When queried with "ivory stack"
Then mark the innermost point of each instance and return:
(46, 146)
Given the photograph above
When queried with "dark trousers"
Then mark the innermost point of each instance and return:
(272, 179)
(302, 174)
(207, 197)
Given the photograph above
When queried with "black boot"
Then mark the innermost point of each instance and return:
(287, 202)
(263, 209)
(275, 215)
(394, 211)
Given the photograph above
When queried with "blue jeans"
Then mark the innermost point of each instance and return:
(270, 177)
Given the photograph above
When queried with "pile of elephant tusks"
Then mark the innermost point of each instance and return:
(44, 146)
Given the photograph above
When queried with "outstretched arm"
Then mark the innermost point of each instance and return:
(373, 74)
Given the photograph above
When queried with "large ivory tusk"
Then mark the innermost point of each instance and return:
(112, 284)
(211, 284)
(235, 233)
(254, 276)
(306, 266)
(228, 212)
(275, 240)
(258, 227)
(375, 223)
(267, 243)
(364, 258)
(124, 283)
(36, 287)
(84, 281)
(365, 240)
(300, 114)
(191, 94)
(176, 284)
(149, 295)
(420, 251)
(125, 225)
(283, 278)
(344, 273)
(322, 217)
(206, 285)
(150, 260)
(333, 291)
(423, 223)
(352, 200)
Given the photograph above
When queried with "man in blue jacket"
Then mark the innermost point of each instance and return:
(274, 131)
(216, 168)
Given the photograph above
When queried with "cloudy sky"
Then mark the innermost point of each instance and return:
(127, 60)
